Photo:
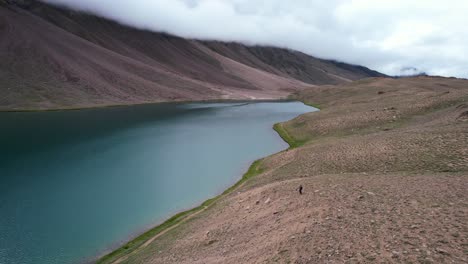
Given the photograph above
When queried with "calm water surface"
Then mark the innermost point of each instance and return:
(76, 183)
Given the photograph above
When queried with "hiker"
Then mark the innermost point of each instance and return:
(300, 189)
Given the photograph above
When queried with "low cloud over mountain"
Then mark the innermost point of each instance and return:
(384, 35)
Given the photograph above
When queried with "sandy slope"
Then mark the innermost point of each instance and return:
(384, 167)
(56, 58)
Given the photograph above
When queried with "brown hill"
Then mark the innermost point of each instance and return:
(383, 167)
(57, 58)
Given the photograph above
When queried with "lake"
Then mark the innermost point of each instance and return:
(76, 183)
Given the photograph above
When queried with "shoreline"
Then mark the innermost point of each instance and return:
(149, 103)
(140, 241)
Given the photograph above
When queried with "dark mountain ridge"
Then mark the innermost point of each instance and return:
(54, 58)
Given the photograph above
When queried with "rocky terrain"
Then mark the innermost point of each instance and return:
(54, 58)
(383, 165)
(384, 170)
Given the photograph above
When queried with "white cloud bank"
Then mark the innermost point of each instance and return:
(390, 36)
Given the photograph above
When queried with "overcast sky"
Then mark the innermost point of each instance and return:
(391, 36)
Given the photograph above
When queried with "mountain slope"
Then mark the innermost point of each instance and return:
(384, 170)
(57, 58)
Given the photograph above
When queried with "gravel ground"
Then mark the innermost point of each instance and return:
(384, 170)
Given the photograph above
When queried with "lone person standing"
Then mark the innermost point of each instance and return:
(300, 189)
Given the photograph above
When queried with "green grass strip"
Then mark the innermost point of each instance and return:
(279, 128)
(253, 170)
(134, 244)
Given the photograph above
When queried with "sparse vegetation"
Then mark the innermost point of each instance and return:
(391, 166)
(137, 242)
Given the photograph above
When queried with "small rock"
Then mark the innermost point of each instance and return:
(360, 197)
(442, 251)
(371, 193)
(428, 260)
(257, 202)
(212, 241)
(292, 237)
(247, 208)
(395, 254)
(267, 200)
(276, 212)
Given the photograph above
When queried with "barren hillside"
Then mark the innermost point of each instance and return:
(57, 58)
(383, 167)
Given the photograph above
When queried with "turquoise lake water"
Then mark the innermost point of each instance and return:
(74, 184)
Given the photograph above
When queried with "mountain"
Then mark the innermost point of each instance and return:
(53, 58)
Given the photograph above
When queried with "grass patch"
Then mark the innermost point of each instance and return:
(319, 107)
(141, 239)
(298, 97)
(134, 244)
(293, 143)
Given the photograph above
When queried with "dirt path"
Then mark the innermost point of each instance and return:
(123, 258)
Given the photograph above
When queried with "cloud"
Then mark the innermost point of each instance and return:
(386, 35)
